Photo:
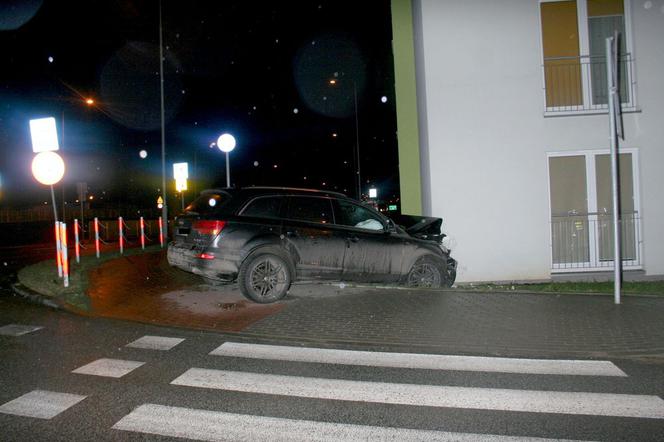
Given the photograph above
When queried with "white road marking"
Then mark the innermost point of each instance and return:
(18, 329)
(219, 426)
(594, 404)
(112, 368)
(419, 361)
(155, 343)
(41, 404)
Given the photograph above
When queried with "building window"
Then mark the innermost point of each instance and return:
(582, 210)
(573, 42)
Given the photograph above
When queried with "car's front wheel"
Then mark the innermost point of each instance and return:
(265, 276)
(426, 272)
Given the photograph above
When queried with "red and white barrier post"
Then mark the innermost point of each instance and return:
(97, 236)
(121, 237)
(63, 251)
(58, 258)
(161, 233)
(142, 234)
(76, 242)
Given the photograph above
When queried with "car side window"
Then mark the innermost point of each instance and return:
(263, 207)
(311, 209)
(353, 215)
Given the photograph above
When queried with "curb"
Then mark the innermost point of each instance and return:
(36, 297)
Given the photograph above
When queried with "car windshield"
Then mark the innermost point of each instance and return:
(207, 203)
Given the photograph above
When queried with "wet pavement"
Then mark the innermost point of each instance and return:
(144, 288)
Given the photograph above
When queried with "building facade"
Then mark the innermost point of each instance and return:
(514, 134)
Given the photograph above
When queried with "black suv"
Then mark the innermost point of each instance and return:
(267, 237)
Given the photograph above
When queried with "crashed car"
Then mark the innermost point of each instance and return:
(265, 238)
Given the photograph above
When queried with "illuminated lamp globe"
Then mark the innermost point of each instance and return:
(226, 143)
(48, 167)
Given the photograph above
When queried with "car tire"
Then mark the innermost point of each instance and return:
(265, 275)
(427, 272)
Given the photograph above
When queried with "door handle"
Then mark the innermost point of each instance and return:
(353, 238)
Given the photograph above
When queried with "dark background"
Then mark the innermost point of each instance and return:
(258, 70)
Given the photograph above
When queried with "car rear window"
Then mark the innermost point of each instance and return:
(208, 203)
(263, 207)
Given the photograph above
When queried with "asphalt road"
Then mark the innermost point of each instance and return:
(186, 391)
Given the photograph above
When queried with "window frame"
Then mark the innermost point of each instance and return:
(591, 196)
(584, 51)
(252, 200)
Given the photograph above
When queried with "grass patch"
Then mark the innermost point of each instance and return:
(628, 287)
(43, 276)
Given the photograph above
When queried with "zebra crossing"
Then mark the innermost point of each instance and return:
(175, 419)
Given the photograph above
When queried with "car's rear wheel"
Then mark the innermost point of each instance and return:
(265, 276)
(427, 272)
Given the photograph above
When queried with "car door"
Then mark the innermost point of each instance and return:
(372, 252)
(312, 237)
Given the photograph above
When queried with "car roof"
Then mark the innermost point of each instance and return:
(265, 190)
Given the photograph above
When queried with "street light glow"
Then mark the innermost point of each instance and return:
(48, 167)
(226, 142)
(90, 101)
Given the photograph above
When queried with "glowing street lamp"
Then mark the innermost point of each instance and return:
(181, 173)
(47, 167)
(226, 143)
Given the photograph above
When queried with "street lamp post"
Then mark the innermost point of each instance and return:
(226, 143)
(164, 208)
(358, 173)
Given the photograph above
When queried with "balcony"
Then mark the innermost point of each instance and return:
(584, 242)
(578, 85)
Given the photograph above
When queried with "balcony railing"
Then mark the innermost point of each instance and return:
(579, 84)
(585, 242)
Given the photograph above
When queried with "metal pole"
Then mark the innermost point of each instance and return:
(58, 258)
(64, 218)
(55, 209)
(612, 92)
(164, 209)
(357, 143)
(228, 172)
(182, 197)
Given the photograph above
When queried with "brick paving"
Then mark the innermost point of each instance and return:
(144, 288)
(528, 325)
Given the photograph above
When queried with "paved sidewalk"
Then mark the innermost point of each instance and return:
(396, 319)
(456, 322)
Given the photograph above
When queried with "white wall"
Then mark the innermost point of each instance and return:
(480, 61)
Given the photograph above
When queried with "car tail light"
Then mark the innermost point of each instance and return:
(205, 227)
(206, 256)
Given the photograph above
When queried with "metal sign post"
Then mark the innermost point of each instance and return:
(615, 126)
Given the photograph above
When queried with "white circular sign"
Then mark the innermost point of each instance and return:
(226, 142)
(48, 167)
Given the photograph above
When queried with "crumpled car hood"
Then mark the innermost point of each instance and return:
(422, 227)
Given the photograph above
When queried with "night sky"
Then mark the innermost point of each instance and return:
(258, 70)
